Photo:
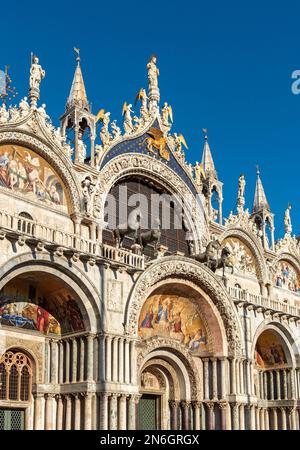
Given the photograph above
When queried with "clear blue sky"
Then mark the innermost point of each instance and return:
(224, 65)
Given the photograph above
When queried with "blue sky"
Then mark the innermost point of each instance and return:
(224, 65)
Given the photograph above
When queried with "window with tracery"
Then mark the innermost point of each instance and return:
(15, 376)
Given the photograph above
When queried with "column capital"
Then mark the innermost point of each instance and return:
(174, 403)
(87, 394)
(222, 405)
(49, 395)
(103, 394)
(37, 395)
(185, 404)
(196, 403)
(135, 398)
(290, 410)
(210, 405)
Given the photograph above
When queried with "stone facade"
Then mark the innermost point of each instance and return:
(75, 304)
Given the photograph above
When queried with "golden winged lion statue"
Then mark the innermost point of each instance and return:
(157, 141)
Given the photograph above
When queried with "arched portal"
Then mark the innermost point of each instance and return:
(274, 376)
(181, 358)
(40, 302)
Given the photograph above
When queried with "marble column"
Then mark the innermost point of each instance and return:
(278, 390)
(214, 379)
(275, 419)
(132, 407)
(223, 408)
(127, 362)
(108, 351)
(77, 411)
(133, 362)
(235, 415)
(121, 360)
(74, 360)
(61, 363)
(88, 398)
(59, 412)
(185, 415)
(265, 378)
(174, 414)
(113, 412)
(283, 419)
(210, 415)
(49, 412)
(115, 359)
(242, 389)
(223, 377)
(122, 419)
(285, 385)
(197, 419)
(90, 357)
(261, 384)
(292, 419)
(38, 411)
(101, 358)
(262, 418)
(68, 403)
(54, 362)
(257, 418)
(81, 362)
(233, 376)
(242, 417)
(267, 419)
(251, 417)
(271, 380)
(206, 379)
(104, 410)
(67, 350)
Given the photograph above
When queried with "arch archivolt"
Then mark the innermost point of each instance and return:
(254, 247)
(74, 279)
(54, 156)
(184, 269)
(138, 164)
(163, 371)
(286, 336)
(177, 360)
(292, 259)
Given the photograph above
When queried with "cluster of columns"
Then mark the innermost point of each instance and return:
(119, 354)
(70, 360)
(85, 410)
(276, 384)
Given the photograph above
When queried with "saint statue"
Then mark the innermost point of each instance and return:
(242, 184)
(287, 220)
(153, 73)
(36, 73)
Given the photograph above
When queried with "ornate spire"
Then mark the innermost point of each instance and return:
(77, 96)
(207, 160)
(260, 201)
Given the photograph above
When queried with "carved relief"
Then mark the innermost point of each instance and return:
(115, 295)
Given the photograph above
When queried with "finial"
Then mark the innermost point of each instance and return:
(257, 170)
(77, 51)
(205, 133)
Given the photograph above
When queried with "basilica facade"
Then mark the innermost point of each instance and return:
(121, 323)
